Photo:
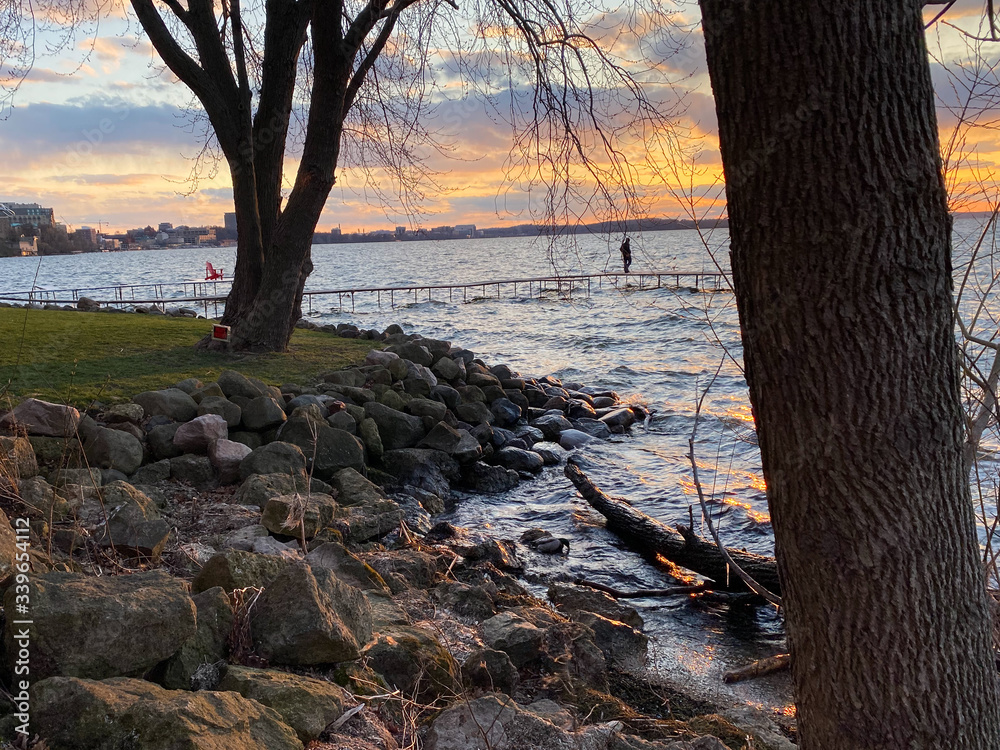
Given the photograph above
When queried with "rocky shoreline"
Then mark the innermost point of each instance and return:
(241, 565)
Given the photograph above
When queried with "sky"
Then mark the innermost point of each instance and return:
(101, 132)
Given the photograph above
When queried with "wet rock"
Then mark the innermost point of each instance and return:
(226, 456)
(306, 704)
(519, 460)
(593, 427)
(214, 624)
(235, 569)
(619, 417)
(414, 661)
(103, 627)
(75, 714)
(573, 599)
(490, 480)
(515, 636)
(114, 449)
(570, 439)
(552, 454)
(43, 418)
(552, 425)
(262, 413)
(308, 616)
(578, 409)
(171, 402)
(222, 407)
(430, 470)
(274, 458)
(487, 669)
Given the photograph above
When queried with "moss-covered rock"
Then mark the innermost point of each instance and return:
(235, 569)
(282, 513)
(215, 622)
(414, 661)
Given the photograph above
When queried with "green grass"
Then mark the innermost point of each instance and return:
(77, 358)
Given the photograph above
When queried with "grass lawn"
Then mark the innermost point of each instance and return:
(77, 358)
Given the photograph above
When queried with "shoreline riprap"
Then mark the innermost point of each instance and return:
(266, 559)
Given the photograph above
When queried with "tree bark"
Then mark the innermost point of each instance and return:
(680, 546)
(840, 241)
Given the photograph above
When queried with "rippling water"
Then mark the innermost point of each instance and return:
(656, 346)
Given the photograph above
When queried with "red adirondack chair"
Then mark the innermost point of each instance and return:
(211, 274)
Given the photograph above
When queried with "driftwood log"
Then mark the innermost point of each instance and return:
(679, 545)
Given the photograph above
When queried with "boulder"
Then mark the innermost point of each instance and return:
(257, 489)
(43, 418)
(622, 645)
(622, 417)
(369, 434)
(221, 406)
(102, 627)
(308, 616)
(506, 412)
(418, 569)
(519, 460)
(191, 469)
(487, 669)
(347, 567)
(209, 645)
(490, 480)
(379, 357)
(552, 454)
(129, 412)
(362, 523)
(161, 441)
(593, 427)
(40, 499)
(158, 471)
(329, 449)
(171, 402)
(414, 661)
(133, 522)
(570, 439)
(443, 437)
(262, 413)
(114, 449)
(226, 456)
(354, 489)
(18, 457)
(515, 636)
(306, 704)
(274, 458)
(342, 420)
(423, 407)
(475, 413)
(195, 436)
(236, 569)
(295, 515)
(396, 429)
(117, 714)
(233, 383)
(573, 599)
(466, 600)
(552, 425)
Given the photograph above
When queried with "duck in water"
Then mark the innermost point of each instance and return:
(542, 541)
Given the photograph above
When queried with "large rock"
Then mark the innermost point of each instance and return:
(8, 547)
(414, 661)
(133, 522)
(17, 455)
(172, 403)
(362, 523)
(233, 383)
(161, 441)
(122, 714)
(236, 569)
(306, 704)
(491, 480)
(257, 489)
(209, 645)
(487, 669)
(328, 448)
(621, 644)
(274, 458)
(348, 568)
(369, 434)
(515, 636)
(424, 468)
(102, 627)
(191, 469)
(552, 425)
(396, 429)
(195, 436)
(298, 514)
(114, 449)
(573, 599)
(442, 437)
(353, 489)
(223, 407)
(262, 413)
(226, 456)
(43, 418)
(519, 460)
(308, 616)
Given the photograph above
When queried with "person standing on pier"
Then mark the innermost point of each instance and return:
(626, 251)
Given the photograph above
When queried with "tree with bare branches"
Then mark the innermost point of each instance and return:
(356, 83)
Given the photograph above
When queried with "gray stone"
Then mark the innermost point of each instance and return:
(622, 645)
(552, 453)
(491, 479)
(43, 418)
(353, 489)
(468, 448)
(430, 470)
(593, 427)
(226, 456)
(506, 412)
(519, 460)
(222, 407)
(570, 439)
(257, 489)
(161, 441)
(552, 425)
(308, 617)
(195, 436)
(474, 413)
(194, 470)
(235, 569)
(233, 383)
(342, 420)
(515, 636)
(442, 438)
(422, 407)
(378, 357)
(122, 714)
(466, 600)
(572, 599)
(209, 645)
(113, 449)
(84, 626)
(396, 430)
(294, 515)
(369, 434)
(348, 568)
(189, 385)
(414, 661)
(329, 449)
(133, 522)
(262, 413)
(487, 669)
(171, 402)
(158, 471)
(274, 458)
(446, 369)
(243, 539)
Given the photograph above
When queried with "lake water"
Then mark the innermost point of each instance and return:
(659, 347)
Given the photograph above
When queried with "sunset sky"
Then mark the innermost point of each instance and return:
(103, 138)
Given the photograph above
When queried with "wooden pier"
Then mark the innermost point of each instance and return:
(205, 293)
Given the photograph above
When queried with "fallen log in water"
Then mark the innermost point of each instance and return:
(679, 545)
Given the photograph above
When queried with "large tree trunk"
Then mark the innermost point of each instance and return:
(841, 264)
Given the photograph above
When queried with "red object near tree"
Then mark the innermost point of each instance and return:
(211, 274)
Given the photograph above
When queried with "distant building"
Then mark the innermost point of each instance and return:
(230, 221)
(28, 245)
(87, 236)
(400, 231)
(444, 231)
(465, 230)
(165, 226)
(335, 231)
(31, 213)
(382, 233)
